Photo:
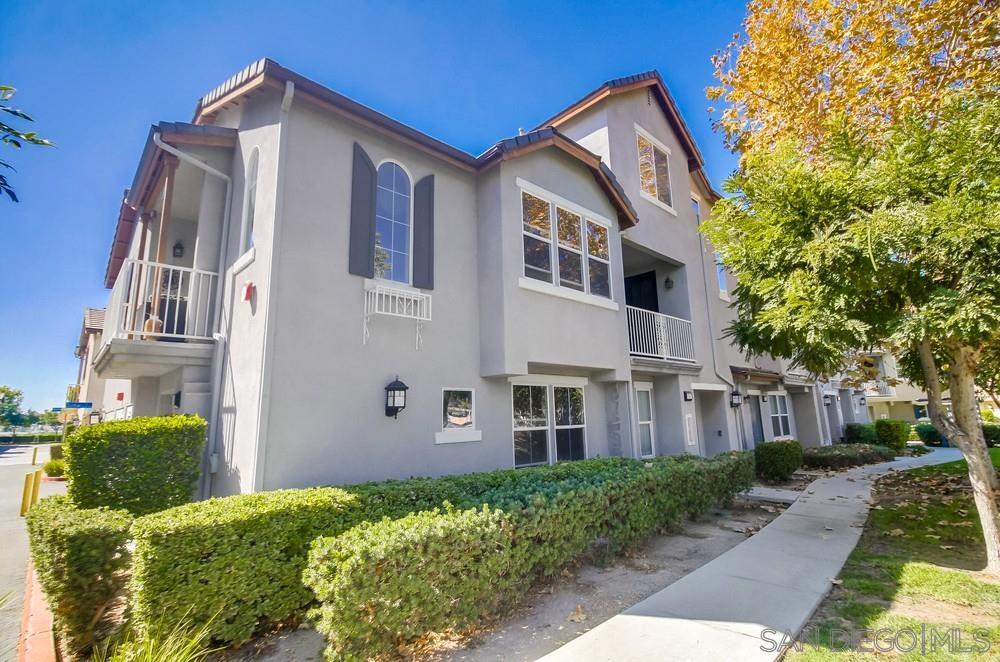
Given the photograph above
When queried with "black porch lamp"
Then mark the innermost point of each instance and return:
(735, 399)
(827, 400)
(178, 250)
(862, 401)
(395, 397)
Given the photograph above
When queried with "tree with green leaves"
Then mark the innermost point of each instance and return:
(854, 243)
(10, 406)
(14, 137)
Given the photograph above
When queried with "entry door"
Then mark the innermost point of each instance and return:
(640, 291)
(757, 420)
(646, 420)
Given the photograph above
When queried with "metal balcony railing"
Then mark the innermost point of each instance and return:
(655, 335)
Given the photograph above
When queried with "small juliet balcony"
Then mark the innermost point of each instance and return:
(658, 336)
(879, 389)
(159, 317)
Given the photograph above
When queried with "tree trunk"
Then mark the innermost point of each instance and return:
(963, 429)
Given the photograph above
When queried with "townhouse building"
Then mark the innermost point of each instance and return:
(346, 298)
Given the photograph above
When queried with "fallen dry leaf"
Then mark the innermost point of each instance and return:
(577, 616)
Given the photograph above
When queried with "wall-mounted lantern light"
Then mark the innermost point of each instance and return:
(395, 397)
(668, 283)
(827, 400)
(178, 250)
(688, 396)
(735, 399)
(862, 401)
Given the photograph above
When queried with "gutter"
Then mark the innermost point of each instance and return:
(211, 451)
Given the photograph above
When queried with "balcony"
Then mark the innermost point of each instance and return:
(659, 336)
(879, 389)
(159, 317)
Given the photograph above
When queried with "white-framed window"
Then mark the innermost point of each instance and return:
(646, 419)
(393, 210)
(654, 169)
(580, 250)
(570, 423)
(531, 424)
(549, 423)
(458, 416)
(780, 423)
(250, 201)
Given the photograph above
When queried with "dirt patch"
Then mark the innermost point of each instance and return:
(926, 610)
(798, 482)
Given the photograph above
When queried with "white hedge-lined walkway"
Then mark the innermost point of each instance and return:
(775, 580)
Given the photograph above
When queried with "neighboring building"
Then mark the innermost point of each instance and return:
(891, 396)
(110, 396)
(282, 259)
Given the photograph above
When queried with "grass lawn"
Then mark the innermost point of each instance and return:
(915, 574)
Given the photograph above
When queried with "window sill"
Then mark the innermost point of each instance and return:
(659, 203)
(457, 436)
(385, 282)
(566, 293)
(245, 260)
(724, 295)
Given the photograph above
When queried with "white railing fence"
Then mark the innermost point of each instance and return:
(879, 388)
(660, 336)
(153, 301)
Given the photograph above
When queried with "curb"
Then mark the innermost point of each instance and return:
(37, 640)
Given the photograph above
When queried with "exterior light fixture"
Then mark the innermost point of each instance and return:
(735, 399)
(395, 397)
(688, 396)
(862, 401)
(178, 249)
(827, 400)
(668, 283)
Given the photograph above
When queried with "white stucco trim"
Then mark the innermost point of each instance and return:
(244, 261)
(547, 380)
(568, 205)
(542, 287)
(457, 436)
(705, 386)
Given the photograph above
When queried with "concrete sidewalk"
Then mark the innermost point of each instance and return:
(773, 581)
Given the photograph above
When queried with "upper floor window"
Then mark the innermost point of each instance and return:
(392, 223)
(578, 259)
(250, 204)
(654, 169)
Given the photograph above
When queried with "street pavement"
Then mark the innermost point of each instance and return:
(15, 462)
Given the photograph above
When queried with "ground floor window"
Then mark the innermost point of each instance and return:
(544, 414)
(644, 416)
(780, 423)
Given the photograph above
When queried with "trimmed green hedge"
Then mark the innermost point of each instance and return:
(54, 468)
(241, 558)
(30, 437)
(142, 465)
(777, 460)
(892, 433)
(386, 583)
(860, 433)
(839, 456)
(992, 433)
(80, 556)
(56, 451)
(928, 434)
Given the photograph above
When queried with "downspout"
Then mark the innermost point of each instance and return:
(217, 335)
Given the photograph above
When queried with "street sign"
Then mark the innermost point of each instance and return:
(79, 405)
(57, 409)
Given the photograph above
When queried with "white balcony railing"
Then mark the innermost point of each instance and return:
(879, 389)
(659, 336)
(153, 301)
(396, 302)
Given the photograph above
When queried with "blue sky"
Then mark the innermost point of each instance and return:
(95, 75)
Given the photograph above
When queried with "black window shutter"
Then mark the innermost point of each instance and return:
(362, 244)
(423, 233)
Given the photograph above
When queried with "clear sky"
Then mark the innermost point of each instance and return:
(96, 75)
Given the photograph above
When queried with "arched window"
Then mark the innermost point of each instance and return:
(250, 202)
(392, 223)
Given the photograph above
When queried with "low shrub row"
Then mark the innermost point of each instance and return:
(54, 468)
(892, 433)
(845, 455)
(384, 584)
(141, 465)
(776, 461)
(928, 434)
(860, 433)
(29, 437)
(992, 433)
(80, 557)
(240, 559)
(56, 452)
